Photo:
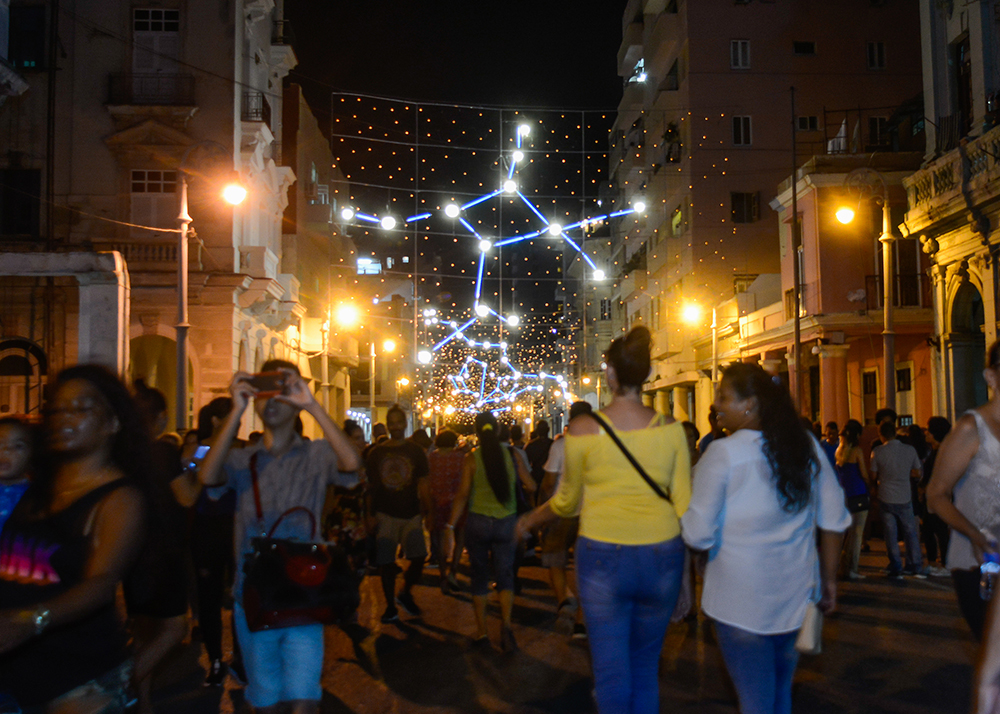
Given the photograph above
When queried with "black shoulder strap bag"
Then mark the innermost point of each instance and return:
(631, 459)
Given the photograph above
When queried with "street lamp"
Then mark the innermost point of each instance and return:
(691, 314)
(233, 193)
(868, 183)
(388, 346)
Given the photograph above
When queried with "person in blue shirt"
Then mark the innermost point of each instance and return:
(18, 441)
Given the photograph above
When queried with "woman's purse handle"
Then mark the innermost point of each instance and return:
(260, 511)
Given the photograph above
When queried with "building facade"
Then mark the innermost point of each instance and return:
(954, 199)
(140, 100)
(704, 135)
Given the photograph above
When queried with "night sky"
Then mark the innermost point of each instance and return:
(425, 101)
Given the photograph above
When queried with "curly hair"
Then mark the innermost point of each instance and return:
(788, 447)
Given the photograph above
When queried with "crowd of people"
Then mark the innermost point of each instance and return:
(113, 529)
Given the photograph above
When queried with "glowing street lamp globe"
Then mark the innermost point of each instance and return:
(691, 313)
(513, 320)
(388, 223)
(347, 316)
(845, 215)
(510, 186)
(347, 214)
(234, 194)
(518, 156)
(523, 130)
(485, 245)
(598, 274)
(389, 346)
(640, 206)
(452, 210)
(555, 229)
(424, 357)
(482, 310)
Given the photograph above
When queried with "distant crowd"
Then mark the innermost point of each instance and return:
(115, 533)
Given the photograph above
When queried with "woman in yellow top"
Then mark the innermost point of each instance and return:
(488, 489)
(629, 555)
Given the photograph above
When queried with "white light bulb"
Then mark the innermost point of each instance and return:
(640, 206)
(388, 223)
(512, 320)
(347, 214)
(424, 357)
(482, 310)
(518, 156)
(510, 186)
(555, 229)
(598, 275)
(524, 130)
(452, 211)
(485, 245)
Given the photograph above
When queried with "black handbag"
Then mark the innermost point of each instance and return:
(292, 582)
(856, 504)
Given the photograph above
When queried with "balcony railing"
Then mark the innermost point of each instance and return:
(256, 107)
(151, 89)
(913, 290)
(281, 33)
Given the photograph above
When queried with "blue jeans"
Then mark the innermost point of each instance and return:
(485, 535)
(911, 536)
(628, 593)
(761, 667)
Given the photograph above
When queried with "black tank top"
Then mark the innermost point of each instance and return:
(41, 558)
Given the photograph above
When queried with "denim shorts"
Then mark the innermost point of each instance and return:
(485, 537)
(281, 665)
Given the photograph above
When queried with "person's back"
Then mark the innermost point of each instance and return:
(537, 451)
(894, 463)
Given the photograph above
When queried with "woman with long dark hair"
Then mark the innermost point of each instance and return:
(488, 489)
(759, 496)
(75, 533)
(963, 492)
(629, 554)
(853, 477)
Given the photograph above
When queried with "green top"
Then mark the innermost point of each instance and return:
(482, 500)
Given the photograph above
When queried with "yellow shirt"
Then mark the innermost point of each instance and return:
(618, 506)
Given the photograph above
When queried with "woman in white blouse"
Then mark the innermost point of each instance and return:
(758, 497)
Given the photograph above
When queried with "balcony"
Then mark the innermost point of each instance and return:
(281, 33)
(256, 108)
(911, 291)
(165, 90)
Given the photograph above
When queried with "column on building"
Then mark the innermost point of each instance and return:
(661, 401)
(834, 396)
(681, 403)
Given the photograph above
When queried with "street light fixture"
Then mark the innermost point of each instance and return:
(233, 193)
(869, 183)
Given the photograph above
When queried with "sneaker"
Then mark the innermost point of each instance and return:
(405, 601)
(565, 616)
(938, 572)
(216, 673)
(918, 574)
(579, 631)
(390, 615)
(855, 576)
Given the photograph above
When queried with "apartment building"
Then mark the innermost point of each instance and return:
(128, 103)
(954, 199)
(704, 135)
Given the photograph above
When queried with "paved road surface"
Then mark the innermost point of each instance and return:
(896, 646)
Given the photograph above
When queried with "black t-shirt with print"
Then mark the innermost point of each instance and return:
(393, 472)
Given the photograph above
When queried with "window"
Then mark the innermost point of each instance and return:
(878, 131)
(368, 266)
(20, 203)
(808, 123)
(671, 82)
(27, 36)
(605, 309)
(804, 48)
(639, 72)
(876, 55)
(739, 54)
(677, 222)
(154, 199)
(741, 131)
(745, 206)
(903, 380)
(156, 40)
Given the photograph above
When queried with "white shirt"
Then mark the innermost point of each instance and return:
(557, 457)
(763, 564)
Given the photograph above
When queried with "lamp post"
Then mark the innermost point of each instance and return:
(233, 194)
(868, 183)
(388, 346)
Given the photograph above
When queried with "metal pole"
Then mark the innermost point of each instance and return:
(796, 276)
(325, 370)
(715, 350)
(371, 382)
(888, 278)
(182, 307)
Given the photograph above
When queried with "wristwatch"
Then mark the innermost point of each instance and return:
(41, 618)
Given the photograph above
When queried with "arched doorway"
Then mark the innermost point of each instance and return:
(966, 347)
(154, 360)
(23, 369)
